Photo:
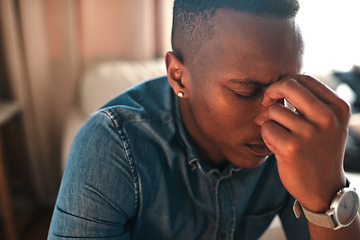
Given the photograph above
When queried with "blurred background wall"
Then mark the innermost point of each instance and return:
(47, 44)
(330, 31)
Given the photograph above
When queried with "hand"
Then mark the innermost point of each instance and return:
(309, 144)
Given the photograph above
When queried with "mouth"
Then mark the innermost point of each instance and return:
(260, 150)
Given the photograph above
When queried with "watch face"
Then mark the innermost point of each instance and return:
(347, 208)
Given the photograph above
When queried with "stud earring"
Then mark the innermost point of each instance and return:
(180, 94)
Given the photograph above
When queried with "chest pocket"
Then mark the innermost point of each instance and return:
(253, 225)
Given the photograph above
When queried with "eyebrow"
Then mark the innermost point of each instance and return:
(249, 82)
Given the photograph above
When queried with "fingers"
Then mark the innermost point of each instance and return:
(284, 116)
(297, 95)
(320, 90)
(308, 144)
(287, 118)
(319, 111)
(281, 126)
(275, 136)
(310, 97)
(326, 94)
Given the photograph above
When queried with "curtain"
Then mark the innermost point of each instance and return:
(47, 46)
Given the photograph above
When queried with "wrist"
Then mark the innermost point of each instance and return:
(322, 200)
(341, 212)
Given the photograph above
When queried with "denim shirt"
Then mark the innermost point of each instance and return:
(133, 173)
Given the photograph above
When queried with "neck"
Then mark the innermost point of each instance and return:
(207, 151)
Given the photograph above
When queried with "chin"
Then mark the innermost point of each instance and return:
(249, 162)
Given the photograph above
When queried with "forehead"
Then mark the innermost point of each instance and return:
(252, 45)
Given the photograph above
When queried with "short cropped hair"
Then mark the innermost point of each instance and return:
(193, 20)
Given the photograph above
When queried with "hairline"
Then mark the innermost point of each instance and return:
(210, 14)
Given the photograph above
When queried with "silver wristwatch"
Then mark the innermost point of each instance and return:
(343, 210)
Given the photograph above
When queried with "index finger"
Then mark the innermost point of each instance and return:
(297, 95)
(319, 89)
(327, 95)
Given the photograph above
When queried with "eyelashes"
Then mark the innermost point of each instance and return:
(247, 95)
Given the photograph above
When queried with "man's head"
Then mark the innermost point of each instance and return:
(193, 20)
(226, 53)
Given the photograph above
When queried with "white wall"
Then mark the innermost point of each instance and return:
(331, 30)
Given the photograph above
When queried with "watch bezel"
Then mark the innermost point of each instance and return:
(335, 205)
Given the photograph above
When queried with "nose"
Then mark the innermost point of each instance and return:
(263, 116)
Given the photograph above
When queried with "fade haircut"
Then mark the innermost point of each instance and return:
(193, 20)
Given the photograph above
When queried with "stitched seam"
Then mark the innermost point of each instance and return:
(129, 157)
(217, 207)
(233, 210)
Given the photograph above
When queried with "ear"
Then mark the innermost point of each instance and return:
(175, 73)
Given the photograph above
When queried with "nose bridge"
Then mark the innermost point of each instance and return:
(261, 115)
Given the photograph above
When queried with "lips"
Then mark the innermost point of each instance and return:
(259, 149)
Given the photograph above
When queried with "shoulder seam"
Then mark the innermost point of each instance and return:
(129, 156)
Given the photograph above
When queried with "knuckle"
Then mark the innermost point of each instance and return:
(309, 79)
(292, 146)
(309, 131)
(345, 109)
(335, 116)
(306, 76)
(290, 83)
(327, 119)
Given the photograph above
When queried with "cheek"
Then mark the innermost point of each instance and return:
(237, 117)
(218, 110)
(226, 112)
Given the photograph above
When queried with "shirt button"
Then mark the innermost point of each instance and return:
(222, 236)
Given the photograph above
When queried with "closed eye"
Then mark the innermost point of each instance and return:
(248, 95)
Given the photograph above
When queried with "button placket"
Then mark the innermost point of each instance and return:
(225, 210)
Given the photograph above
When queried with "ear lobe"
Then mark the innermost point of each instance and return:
(175, 72)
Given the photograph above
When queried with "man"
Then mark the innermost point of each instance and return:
(194, 160)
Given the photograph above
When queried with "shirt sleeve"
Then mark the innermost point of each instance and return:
(97, 197)
(296, 229)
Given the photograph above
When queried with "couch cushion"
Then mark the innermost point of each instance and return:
(104, 81)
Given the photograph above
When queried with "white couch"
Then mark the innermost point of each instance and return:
(101, 83)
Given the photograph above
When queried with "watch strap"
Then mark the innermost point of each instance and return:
(320, 219)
